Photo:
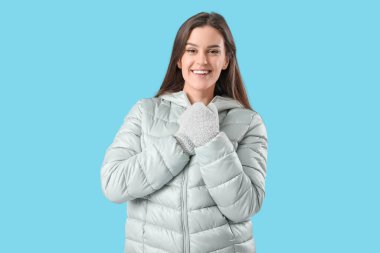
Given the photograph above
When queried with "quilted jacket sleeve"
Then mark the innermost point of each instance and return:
(236, 179)
(128, 171)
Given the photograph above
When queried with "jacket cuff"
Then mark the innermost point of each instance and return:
(186, 143)
(218, 147)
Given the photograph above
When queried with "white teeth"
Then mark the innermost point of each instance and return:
(201, 71)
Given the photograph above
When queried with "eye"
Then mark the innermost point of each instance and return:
(214, 51)
(191, 51)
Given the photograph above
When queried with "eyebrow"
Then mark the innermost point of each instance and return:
(192, 44)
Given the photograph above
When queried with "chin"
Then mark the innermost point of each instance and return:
(201, 86)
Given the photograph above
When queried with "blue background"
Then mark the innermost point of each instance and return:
(71, 70)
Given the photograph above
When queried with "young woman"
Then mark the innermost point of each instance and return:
(191, 161)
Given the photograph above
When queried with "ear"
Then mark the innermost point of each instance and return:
(226, 64)
(179, 64)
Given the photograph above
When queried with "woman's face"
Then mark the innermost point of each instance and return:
(203, 59)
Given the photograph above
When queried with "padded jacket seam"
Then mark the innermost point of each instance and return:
(154, 225)
(192, 210)
(249, 188)
(223, 248)
(198, 186)
(209, 229)
(247, 166)
(249, 126)
(163, 160)
(220, 158)
(150, 184)
(232, 178)
(261, 155)
(127, 238)
(155, 203)
(155, 117)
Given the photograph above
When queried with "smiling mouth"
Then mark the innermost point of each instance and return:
(201, 72)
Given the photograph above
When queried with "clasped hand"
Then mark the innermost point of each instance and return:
(198, 124)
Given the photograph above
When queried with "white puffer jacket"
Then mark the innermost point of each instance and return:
(177, 203)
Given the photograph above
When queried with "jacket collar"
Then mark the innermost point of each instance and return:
(222, 102)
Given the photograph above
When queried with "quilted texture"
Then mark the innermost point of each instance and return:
(178, 202)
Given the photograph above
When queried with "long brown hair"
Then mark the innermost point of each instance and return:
(230, 82)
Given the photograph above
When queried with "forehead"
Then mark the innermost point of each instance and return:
(205, 36)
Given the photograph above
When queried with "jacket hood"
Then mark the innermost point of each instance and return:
(221, 102)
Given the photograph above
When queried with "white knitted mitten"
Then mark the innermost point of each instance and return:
(198, 124)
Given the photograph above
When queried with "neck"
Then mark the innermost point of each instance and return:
(204, 96)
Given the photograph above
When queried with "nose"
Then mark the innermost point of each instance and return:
(202, 58)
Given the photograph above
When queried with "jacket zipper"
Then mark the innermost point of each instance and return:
(186, 241)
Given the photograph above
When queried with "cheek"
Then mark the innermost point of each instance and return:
(185, 66)
(220, 65)
(185, 71)
(185, 61)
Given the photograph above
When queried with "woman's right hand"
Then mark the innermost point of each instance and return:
(198, 124)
